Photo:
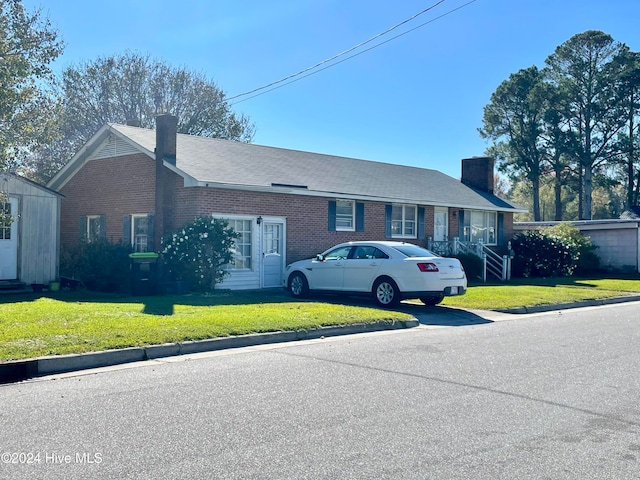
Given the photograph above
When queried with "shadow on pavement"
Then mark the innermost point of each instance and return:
(442, 315)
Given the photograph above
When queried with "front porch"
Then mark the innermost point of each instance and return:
(493, 264)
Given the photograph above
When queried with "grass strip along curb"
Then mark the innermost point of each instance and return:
(17, 370)
(598, 302)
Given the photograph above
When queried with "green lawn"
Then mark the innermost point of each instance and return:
(68, 322)
(533, 292)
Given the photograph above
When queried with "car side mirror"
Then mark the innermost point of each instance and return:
(320, 257)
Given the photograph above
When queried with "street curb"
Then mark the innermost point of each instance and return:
(566, 306)
(14, 371)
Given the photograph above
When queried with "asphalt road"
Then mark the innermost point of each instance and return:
(546, 396)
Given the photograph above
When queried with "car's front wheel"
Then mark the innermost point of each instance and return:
(386, 292)
(298, 285)
(432, 301)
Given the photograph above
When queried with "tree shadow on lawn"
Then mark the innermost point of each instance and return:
(156, 304)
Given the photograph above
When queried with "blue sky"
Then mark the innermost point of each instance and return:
(416, 100)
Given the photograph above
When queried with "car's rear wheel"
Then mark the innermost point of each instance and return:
(432, 301)
(386, 293)
(298, 285)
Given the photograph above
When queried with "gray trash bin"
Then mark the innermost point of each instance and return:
(144, 274)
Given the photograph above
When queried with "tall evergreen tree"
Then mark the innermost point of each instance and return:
(514, 120)
(584, 70)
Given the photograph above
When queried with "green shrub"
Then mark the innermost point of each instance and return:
(100, 265)
(198, 252)
(472, 265)
(588, 260)
(540, 254)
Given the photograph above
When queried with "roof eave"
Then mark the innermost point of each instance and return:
(346, 196)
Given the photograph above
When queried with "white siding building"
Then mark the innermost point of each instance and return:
(30, 245)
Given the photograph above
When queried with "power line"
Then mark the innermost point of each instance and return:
(276, 85)
(338, 55)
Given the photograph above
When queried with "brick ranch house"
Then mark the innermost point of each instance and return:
(136, 185)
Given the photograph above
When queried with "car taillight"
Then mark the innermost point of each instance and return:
(428, 267)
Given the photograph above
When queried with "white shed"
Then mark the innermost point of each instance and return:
(30, 245)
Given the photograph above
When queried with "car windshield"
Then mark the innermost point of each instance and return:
(414, 251)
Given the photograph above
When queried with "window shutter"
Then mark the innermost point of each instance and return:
(150, 234)
(387, 220)
(359, 217)
(332, 216)
(461, 225)
(126, 230)
(103, 226)
(500, 228)
(421, 222)
(83, 228)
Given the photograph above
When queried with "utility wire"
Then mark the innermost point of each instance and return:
(275, 85)
(339, 54)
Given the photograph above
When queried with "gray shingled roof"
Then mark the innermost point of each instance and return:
(216, 161)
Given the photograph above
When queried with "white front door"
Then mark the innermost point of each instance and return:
(441, 224)
(9, 242)
(272, 253)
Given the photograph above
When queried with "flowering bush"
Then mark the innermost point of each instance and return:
(588, 260)
(555, 252)
(198, 252)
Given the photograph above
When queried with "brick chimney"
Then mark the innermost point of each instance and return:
(477, 172)
(166, 132)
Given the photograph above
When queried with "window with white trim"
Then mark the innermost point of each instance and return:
(95, 228)
(5, 221)
(404, 219)
(345, 215)
(140, 233)
(243, 245)
(480, 226)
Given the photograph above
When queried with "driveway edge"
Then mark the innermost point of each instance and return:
(17, 370)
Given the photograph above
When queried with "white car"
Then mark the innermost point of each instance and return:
(390, 271)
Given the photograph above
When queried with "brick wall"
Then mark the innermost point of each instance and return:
(508, 227)
(126, 185)
(113, 187)
(307, 216)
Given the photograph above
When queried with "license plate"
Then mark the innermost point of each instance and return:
(454, 290)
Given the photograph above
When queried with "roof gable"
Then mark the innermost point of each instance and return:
(114, 146)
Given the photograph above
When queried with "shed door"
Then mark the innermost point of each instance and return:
(9, 243)
(272, 254)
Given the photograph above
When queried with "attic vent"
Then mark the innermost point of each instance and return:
(113, 147)
(287, 185)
